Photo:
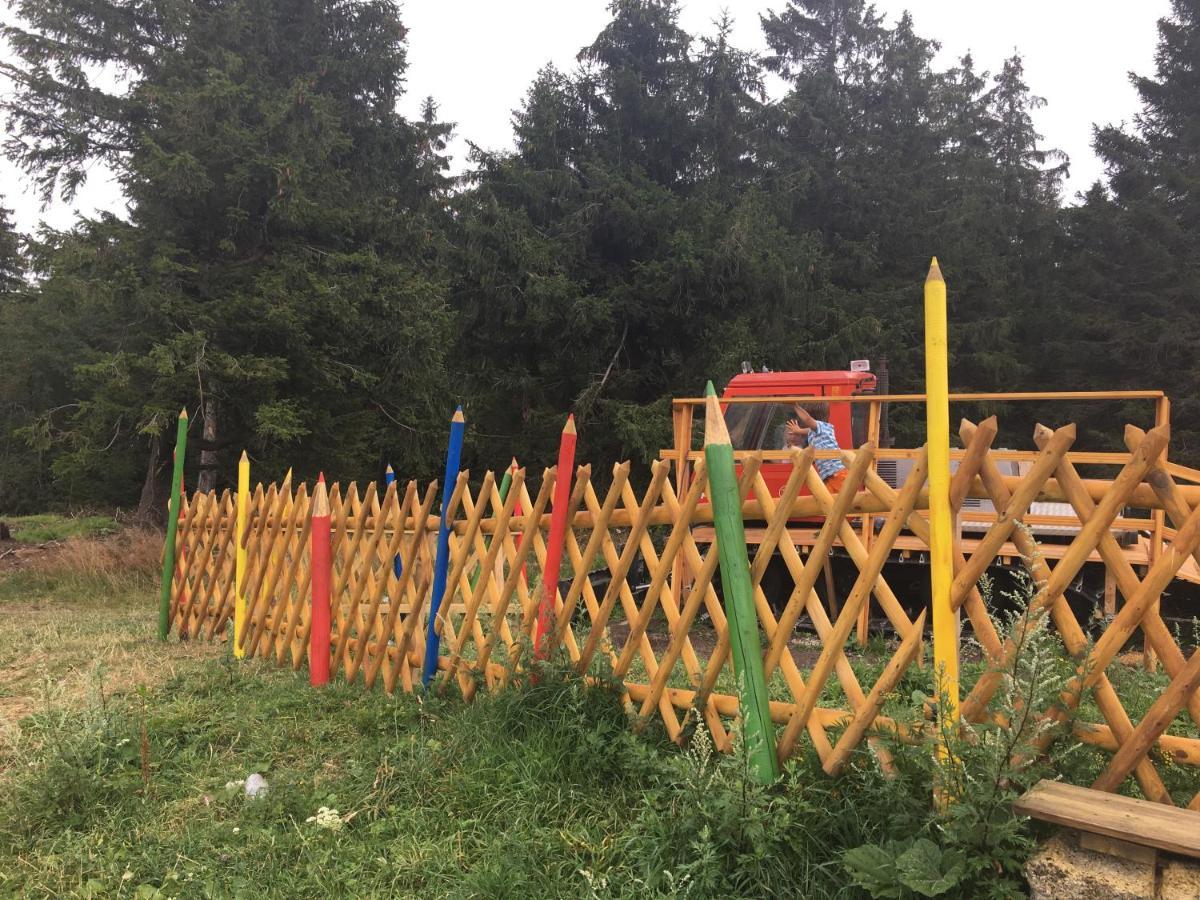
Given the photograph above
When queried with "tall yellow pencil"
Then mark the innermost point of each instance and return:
(937, 430)
(239, 571)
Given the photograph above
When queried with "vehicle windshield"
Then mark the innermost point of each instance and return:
(758, 426)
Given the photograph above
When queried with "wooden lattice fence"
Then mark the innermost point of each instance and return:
(639, 593)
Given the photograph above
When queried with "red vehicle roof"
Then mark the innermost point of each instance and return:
(769, 384)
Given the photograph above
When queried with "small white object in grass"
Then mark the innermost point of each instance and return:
(327, 817)
(256, 785)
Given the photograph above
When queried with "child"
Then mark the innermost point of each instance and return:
(811, 428)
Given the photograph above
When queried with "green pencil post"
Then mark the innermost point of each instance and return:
(164, 605)
(738, 592)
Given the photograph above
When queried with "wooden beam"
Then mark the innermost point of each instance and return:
(1137, 821)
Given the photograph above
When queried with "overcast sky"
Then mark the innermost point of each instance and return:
(477, 57)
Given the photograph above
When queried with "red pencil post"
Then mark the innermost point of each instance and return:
(320, 555)
(554, 545)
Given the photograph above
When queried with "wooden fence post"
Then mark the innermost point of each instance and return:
(739, 592)
(239, 556)
(442, 560)
(389, 477)
(321, 569)
(941, 538)
(558, 534)
(168, 571)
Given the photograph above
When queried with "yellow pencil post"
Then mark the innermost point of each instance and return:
(937, 430)
(239, 565)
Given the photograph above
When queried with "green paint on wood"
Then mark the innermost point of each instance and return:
(739, 605)
(164, 606)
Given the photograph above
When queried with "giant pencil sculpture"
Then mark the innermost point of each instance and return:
(388, 478)
(239, 555)
(321, 560)
(441, 563)
(738, 593)
(168, 571)
(558, 533)
(941, 568)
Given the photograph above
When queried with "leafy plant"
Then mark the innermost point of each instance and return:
(903, 868)
(977, 845)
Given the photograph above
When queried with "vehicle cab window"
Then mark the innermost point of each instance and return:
(747, 424)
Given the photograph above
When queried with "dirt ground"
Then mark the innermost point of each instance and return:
(15, 555)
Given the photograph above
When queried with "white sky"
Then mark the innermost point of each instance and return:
(477, 58)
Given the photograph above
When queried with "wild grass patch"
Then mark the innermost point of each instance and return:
(43, 527)
(120, 776)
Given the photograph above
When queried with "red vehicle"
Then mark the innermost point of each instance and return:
(758, 425)
(757, 405)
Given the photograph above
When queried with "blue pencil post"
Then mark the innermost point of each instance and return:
(388, 477)
(442, 562)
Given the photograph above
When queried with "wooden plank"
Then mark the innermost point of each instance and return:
(954, 398)
(1110, 846)
(1137, 821)
(806, 537)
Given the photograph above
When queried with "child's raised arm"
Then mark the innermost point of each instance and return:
(803, 415)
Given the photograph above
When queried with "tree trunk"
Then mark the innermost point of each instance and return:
(207, 480)
(152, 507)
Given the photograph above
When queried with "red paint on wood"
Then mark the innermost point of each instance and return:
(554, 545)
(321, 560)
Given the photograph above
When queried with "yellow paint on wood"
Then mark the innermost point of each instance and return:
(941, 568)
(243, 518)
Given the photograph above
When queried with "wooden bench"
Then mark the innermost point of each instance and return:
(1117, 820)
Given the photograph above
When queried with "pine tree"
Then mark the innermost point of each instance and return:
(278, 273)
(12, 262)
(22, 472)
(732, 98)
(1131, 275)
(631, 223)
(644, 93)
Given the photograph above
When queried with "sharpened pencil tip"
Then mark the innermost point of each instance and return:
(715, 430)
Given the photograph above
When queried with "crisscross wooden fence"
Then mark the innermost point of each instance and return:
(639, 594)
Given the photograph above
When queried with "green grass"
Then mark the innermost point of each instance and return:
(116, 751)
(540, 791)
(52, 527)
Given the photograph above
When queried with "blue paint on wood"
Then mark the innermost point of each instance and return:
(442, 560)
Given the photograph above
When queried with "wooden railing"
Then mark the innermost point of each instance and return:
(639, 598)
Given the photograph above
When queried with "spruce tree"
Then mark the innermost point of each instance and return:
(1131, 274)
(278, 271)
